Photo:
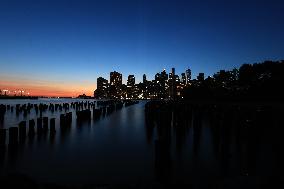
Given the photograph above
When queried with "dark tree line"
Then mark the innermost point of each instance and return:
(259, 81)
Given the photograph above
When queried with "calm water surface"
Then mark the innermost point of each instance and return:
(119, 148)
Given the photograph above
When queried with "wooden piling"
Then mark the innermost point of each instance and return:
(31, 128)
(39, 125)
(13, 135)
(22, 131)
(52, 125)
(2, 137)
(45, 124)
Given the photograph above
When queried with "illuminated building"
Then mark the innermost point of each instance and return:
(172, 84)
(183, 78)
(188, 76)
(115, 88)
(102, 88)
(115, 78)
(131, 80)
(130, 86)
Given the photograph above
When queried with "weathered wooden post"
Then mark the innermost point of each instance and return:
(22, 131)
(68, 118)
(31, 128)
(62, 119)
(45, 124)
(13, 136)
(2, 137)
(39, 125)
(52, 126)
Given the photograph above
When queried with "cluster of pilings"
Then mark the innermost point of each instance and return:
(65, 121)
(82, 105)
(159, 114)
(246, 126)
(106, 108)
(110, 109)
(17, 135)
(2, 113)
(25, 109)
(83, 115)
(43, 125)
(119, 106)
(130, 102)
(98, 112)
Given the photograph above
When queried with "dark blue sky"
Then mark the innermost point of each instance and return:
(68, 41)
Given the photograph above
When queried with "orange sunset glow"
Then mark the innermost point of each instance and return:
(48, 88)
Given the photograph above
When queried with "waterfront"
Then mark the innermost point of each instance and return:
(126, 147)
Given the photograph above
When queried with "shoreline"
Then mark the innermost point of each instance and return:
(18, 97)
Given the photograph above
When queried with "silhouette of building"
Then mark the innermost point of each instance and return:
(153, 89)
(102, 88)
(144, 79)
(115, 88)
(123, 94)
(172, 84)
(177, 79)
(161, 85)
(183, 78)
(178, 86)
(115, 78)
(164, 75)
(84, 96)
(200, 77)
(131, 80)
(130, 86)
(188, 76)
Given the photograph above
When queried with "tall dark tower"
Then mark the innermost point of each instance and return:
(144, 78)
(173, 84)
(200, 77)
(130, 86)
(173, 71)
(115, 78)
(102, 88)
(188, 76)
(131, 80)
(183, 78)
(115, 84)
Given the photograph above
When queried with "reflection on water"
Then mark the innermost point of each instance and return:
(160, 142)
(198, 142)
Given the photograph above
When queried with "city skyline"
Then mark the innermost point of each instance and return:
(141, 93)
(59, 48)
(9, 89)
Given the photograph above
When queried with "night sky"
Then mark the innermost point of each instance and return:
(59, 48)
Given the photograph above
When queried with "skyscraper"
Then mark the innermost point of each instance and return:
(131, 80)
(164, 75)
(200, 77)
(172, 84)
(102, 88)
(144, 78)
(183, 78)
(161, 86)
(130, 86)
(173, 71)
(188, 76)
(115, 78)
(115, 85)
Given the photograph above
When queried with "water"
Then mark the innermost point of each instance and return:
(11, 119)
(120, 148)
(111, 150)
